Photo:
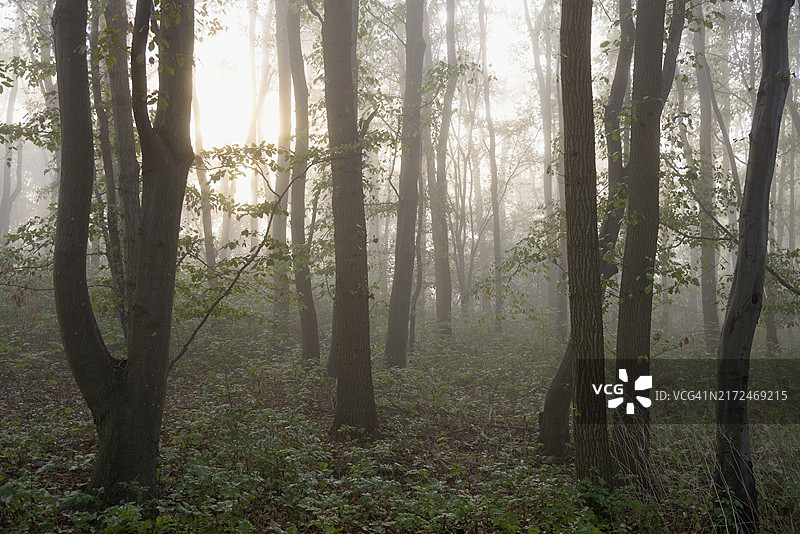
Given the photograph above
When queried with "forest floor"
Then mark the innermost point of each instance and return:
(245, 446)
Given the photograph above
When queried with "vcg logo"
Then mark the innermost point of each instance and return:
(642, 383)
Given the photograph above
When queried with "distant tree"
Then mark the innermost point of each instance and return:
(735, 480)
(437, 189)
(8, 195)
(355, 400)
(126, 396)
(592, 459)
(410, 173)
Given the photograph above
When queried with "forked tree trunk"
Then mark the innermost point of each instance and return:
(410, 173)
(309, 329)
(734, 478)
(126, 397)
(355, 401)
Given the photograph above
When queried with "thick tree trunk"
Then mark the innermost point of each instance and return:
(554, 419)
(355, 401)
(437, 191)
(309, 329)
(631, 431)
(734, 471)
(410, 173)
(592, 459)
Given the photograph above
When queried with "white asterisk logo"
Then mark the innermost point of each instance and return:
(642, 383)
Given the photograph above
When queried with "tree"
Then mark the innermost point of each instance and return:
(126, 396)
(282, 177)
(734, 475)
(592, 459)
(8, 196)
(355, 400)
(309, 329)
(410, 174)
(493, 188)
(437, 189)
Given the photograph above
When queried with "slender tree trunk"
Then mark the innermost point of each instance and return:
(355, 401)
(309, 329)
(497, 245)
(735, 479)
(437, 190)
(112, 235)
(410, 172)
(7, 198)
(705, 191)
(116, 15)
(592, 459)
(205, 188)
(283, 175)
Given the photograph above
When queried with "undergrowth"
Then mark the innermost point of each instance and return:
(245, 448)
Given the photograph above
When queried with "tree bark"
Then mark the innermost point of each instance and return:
(734, 475)
(355, 401)
(592, 459)
(309, 329)
(410, 173)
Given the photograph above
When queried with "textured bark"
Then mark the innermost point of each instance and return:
(493, 187)
(355, 401)
(592, 459)
(705, 192)
(437, 190)
(125, 397)
(309, 329)
(410, 173)
(734, 478)
(554, 419)
(631, 432)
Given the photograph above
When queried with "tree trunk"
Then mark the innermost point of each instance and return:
(437, 191)
(112, 235)
(116, 15)
(7, 197)
(554, 419)
(410, 173)
(309, 329)
(631, 431)
(592, 459)
(282, 178)
(493, 188)
(355, 401)
(735, 479)
(705, 192)
(205, 189)
(126, 397)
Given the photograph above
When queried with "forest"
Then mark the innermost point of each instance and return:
(399, 266)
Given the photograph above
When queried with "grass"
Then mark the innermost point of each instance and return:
(245, 449)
